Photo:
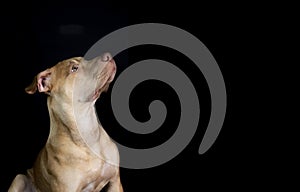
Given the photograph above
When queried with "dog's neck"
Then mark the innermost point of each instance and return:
(78, 123)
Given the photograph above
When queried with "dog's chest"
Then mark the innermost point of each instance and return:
(96, 169)
(100, 179)
(107, 170)
(78, 169)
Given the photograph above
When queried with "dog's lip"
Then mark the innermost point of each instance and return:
(113, 70)
(98, 91)
(112, 73)
(113, 63)
(96, 94)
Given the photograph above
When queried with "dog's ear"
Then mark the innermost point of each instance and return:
(40, 82)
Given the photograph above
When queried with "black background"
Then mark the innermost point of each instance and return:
(36, 36)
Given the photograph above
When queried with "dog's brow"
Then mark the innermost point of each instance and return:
(78, 59)
(73, 61)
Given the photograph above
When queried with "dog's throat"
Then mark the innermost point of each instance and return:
(88, 126)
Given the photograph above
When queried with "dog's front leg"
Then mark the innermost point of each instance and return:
(115, 185)
(21, 183)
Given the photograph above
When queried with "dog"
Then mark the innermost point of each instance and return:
(78, 156)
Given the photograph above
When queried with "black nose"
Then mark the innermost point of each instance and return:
(106, 57)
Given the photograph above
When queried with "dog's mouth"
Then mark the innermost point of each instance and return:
(106, 78)
(99, 91)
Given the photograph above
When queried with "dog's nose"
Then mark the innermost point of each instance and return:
(106, 57)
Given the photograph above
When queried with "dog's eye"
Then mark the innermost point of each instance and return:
(74, 68)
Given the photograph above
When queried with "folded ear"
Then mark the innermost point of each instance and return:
(40, 82)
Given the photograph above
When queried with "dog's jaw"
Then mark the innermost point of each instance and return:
(111, 72)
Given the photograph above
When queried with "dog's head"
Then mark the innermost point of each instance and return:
(81, 79)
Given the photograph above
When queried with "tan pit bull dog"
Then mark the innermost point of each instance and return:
(78, 156)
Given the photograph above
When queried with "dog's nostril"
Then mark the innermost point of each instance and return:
(106, 57)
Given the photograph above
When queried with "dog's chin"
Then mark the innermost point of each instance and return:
(100, 90)
(96, 95)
